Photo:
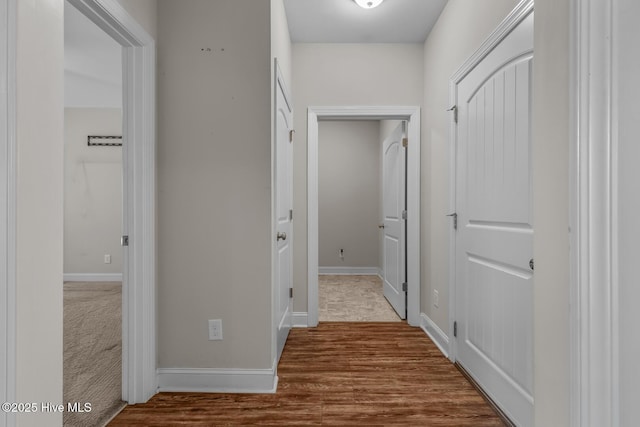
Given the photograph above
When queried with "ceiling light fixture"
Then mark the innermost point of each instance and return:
(368, 4)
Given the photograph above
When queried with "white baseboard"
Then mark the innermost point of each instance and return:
(92, 277)
(435, 333)
(351, 271)
(300, 320)
(217, 380)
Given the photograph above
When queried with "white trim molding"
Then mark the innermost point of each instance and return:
(92, 277)
(517, 15)
(412, 115)
(139, 381)
(594, 346)
(8, 44)
(436, 334)
(299, 320)
(350, 271)
(218, 380)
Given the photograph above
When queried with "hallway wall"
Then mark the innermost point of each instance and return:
(214, 175)
(551, 199)
(629, 208)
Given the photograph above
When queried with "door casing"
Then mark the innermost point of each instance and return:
(8, 44)
(139, 336)
(139, 381)
(412, 116)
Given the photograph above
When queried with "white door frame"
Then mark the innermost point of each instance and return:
(139, 380)
(594, 329)
(8, 46)
(412, 115)
(519, 13)
(139, 348)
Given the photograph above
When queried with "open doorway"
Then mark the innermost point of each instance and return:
(351, 222)
(139, 354)
(93, 206)
(139, 380)
(412, 116)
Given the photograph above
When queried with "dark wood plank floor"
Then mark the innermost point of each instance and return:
(340, 374)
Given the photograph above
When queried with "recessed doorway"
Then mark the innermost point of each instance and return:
(412, 116)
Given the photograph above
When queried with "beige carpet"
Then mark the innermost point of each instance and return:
(92, 351)
(353, 299)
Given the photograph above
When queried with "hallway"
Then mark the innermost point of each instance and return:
(338, 374)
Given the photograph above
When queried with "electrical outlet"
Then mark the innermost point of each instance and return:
(215, 329)
(436, 298)
(107, 259)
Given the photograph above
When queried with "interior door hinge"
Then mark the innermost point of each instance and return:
(455, 220)
(455, 329)
(404, 215)
(455, 113)
(404, 287)
(124, 241)
(291, 132)
(290, 292)
(405, 142)
(290, 214)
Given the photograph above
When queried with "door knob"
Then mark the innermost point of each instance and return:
(281, 235)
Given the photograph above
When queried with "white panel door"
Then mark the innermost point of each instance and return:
(394, 203)
(494, 246)
(283, 206)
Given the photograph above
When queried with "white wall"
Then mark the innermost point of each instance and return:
(92, 192)
(281, 40)
(462, 27)
(551, 211)
(628, 93)
(6, 227)
(39, 190)
(214, 175)
(349, 193)
(341, 75)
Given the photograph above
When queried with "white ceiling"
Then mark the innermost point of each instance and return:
(92, 63)
(343, 21)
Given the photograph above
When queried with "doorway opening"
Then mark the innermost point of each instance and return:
(139, 381)
(353, 185)
(93, 202)
(412, 116)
